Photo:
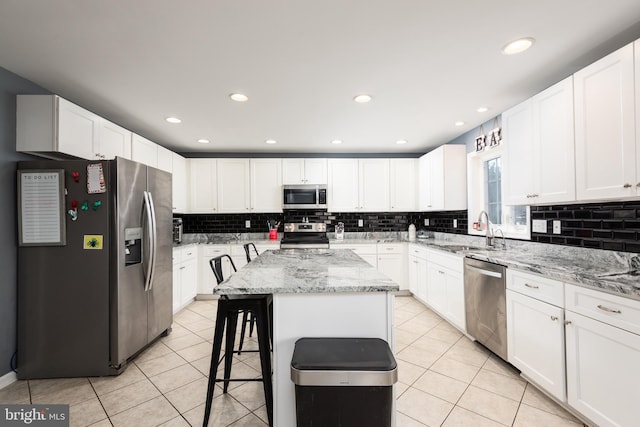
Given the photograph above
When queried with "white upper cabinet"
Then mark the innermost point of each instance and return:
(203, 185)
(342, 185)
(266, 185)
(605, 133)
(165, 159)
(50, 126)
(179, 181)
(442, 179)
(373, 185)
(304, 171)
(539, 148)
(144, 151)
(358, 185)
(403, 187)
(113, 141)
(234, 185)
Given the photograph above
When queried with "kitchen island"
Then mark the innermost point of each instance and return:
(316, 293)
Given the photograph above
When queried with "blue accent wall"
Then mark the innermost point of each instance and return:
(10, 86)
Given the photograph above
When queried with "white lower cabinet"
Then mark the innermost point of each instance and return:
(535, 330)
(603, 372)
(418, 271)
(185, 276)
(392, 262)
(445, 286)
(206, 279)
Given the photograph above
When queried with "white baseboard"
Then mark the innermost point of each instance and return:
(7, 379)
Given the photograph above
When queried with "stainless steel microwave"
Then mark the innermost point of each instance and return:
(304, 197)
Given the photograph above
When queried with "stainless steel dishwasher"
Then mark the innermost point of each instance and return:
(485, 304)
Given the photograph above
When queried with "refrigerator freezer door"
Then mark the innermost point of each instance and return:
(128, 296)
(160, 295)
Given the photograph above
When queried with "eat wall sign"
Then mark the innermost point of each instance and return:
(493, 139)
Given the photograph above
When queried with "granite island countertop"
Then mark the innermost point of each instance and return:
(606, 271)
(306, 271)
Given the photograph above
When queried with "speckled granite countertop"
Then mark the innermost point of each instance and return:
(607, 271)
(306, 271)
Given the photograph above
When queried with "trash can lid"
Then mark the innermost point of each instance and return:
(343, 361)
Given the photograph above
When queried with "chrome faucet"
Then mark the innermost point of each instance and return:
(489, 234)
(504, 242)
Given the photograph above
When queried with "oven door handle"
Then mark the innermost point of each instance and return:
(485, 272)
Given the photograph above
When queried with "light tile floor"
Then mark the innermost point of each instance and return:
(444, 380)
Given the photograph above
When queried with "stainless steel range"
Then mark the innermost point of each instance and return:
(305, 235)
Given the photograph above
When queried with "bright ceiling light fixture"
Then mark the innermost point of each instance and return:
(239, 97)
(173, 120)
(270, 141)
(336, 141)
(203, 141)
(482, 109)
(459, 123)
(401, 141)
(361, 99)
(518, 46)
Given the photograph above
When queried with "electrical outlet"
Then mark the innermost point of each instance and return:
(247, 224)
(539, 226)
(426, 222)
(557, 229)
(360, 223)
(455, 223)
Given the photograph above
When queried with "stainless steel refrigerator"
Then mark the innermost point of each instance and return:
(94, 265)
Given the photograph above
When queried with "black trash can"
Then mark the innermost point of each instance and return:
(346, 382)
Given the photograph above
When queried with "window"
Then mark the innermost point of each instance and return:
(484, 175)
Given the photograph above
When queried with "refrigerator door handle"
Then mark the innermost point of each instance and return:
(154, 238)
(148, 272)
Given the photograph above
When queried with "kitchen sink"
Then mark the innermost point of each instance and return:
(465, 248)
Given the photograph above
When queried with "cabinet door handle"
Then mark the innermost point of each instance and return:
(532, 286)
(567, 322)
(609, 310)
(440, 271)
(554, 318)
(638, 184)
(627, 185)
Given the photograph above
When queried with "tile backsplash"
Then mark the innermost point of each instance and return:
(371, 221)
(611, 226)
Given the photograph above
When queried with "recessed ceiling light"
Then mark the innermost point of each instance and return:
(173, 120)
(336, 141)
(203, 141)
(482, 109)
(459, 123)
(401, 141)
(518, 46)
(270, 141)
(362, 98)
(239, 97)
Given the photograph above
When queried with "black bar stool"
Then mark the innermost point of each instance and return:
(229, 306)
(246, 247)
(216, 266)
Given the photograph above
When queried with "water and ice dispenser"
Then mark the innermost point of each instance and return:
(132, 246)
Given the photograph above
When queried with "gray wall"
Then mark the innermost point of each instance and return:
(10, 85)
(469, 138)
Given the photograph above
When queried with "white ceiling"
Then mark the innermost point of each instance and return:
(426, 63)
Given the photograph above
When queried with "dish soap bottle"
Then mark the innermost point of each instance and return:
(412, 232)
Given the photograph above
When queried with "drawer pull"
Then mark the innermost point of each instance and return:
(609, 310)
(627, 185)
(532, 286)
(554, 318)
(567, 322)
